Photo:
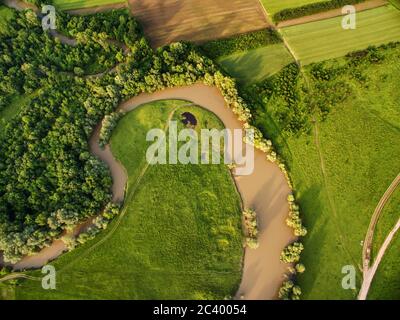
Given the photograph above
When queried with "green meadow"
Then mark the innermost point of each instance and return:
(255, 65)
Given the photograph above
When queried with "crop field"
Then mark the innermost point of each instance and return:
(340, 171)
(197, 20)
(274, 6)
(326, 39)
(180, 233)
(255, 65)
(80, 4)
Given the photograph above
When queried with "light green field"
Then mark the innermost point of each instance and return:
(341, 173)
(255, 65)
(274, 6)
(179, 234)
(79, 4)
(326, 39)
(5, 15)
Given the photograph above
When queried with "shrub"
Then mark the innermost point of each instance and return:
(289, 291)
(300, 268)
(250, 223)
(294, 220)
(291, 253)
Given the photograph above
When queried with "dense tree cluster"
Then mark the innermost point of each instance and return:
(28, 55)
(49, 181)
(251, 226)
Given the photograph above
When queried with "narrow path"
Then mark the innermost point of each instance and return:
(369, 275)
(369, 272)
(367, 5)
(367, 246)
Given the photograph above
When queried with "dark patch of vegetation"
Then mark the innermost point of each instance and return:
(244, 42)
(313, 8)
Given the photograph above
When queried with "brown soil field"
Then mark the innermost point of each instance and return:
(197, 20)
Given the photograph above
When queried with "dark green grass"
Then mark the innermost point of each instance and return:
(358, 143)
(168, 243)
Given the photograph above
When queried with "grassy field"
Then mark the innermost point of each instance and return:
(179, 235)
(274, 6)
(255, 65)
(326, 39)
(5, 15)
(340, 172)
(79, 4)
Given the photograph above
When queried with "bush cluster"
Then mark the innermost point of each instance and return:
(294, 220)
(289, 291)
(292, 252)
(251, 226)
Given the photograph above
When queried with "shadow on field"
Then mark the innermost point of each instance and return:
(315, 222)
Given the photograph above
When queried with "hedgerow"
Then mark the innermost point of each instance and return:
(244, 42)
(312, 8)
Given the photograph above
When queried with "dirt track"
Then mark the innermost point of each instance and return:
(197, 20)
(331, 13)
(369, 272)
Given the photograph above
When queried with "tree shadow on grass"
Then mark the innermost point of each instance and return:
(316, 224)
